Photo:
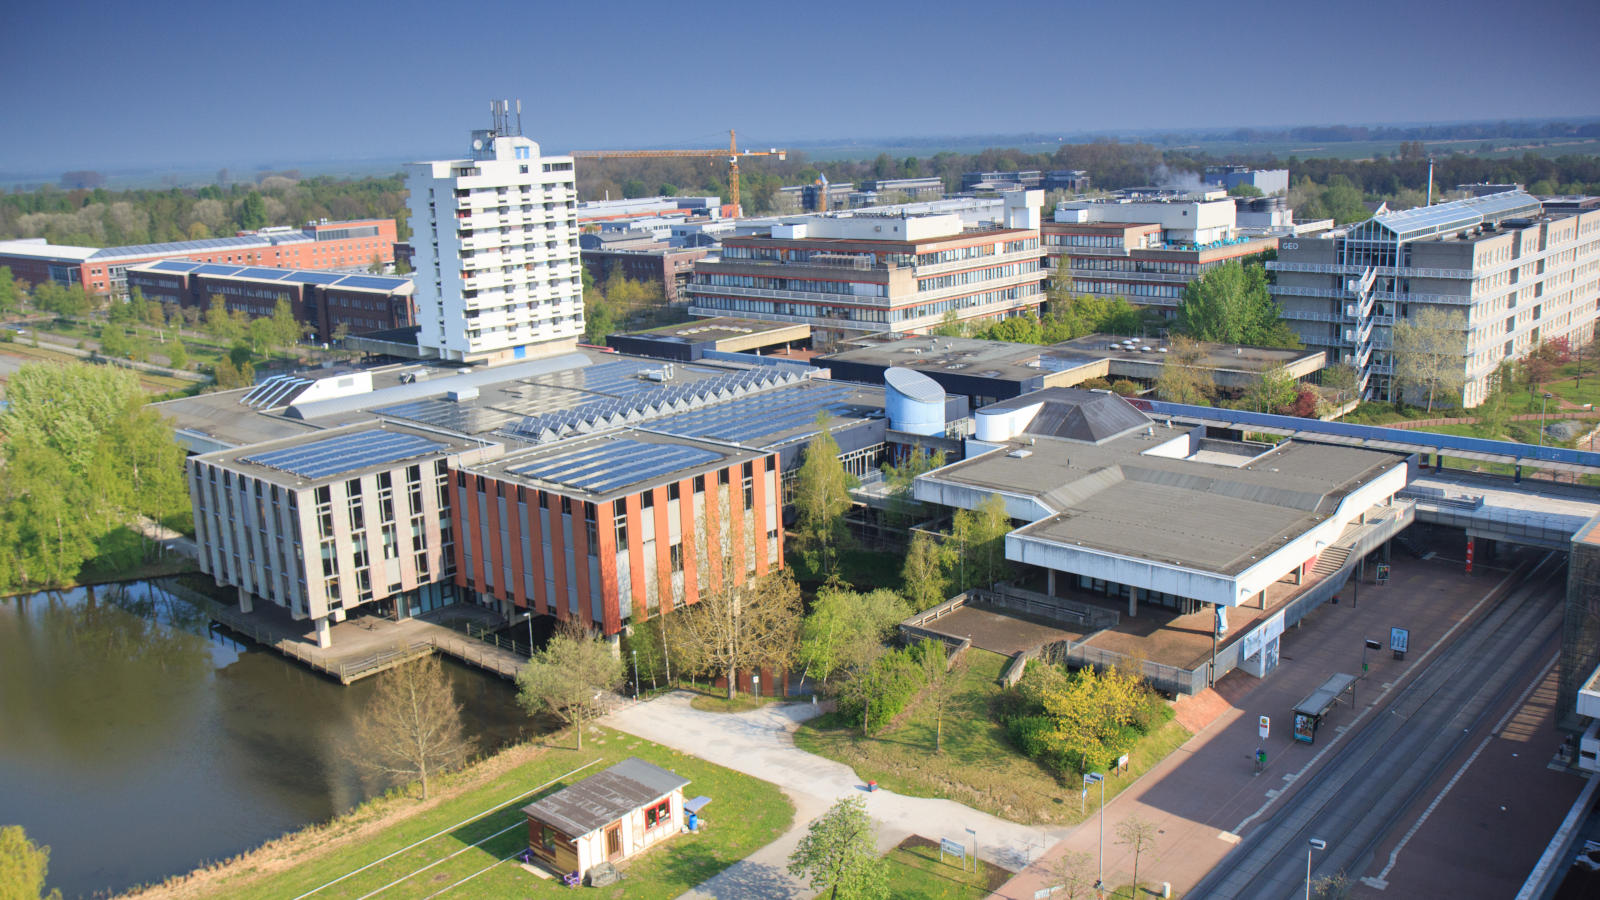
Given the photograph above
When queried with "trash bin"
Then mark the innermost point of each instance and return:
(694, 822)
(872, 785)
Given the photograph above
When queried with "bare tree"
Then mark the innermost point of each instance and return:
(1137, 835)
(570, 677)
(1333, 887)
(738, 627)
(943, 675)
(411, 727)
(1184, 376)
(1075, 872)
(1430, 351)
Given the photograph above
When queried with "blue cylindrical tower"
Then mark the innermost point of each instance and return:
(914, 402)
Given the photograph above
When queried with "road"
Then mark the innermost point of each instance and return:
(1356, 800)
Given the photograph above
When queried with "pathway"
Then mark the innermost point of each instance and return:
(761, 743)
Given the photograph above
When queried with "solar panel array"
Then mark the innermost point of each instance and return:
(648, 403)
(1424, 221)
(261, 273)
(345, 453)
(608, 465)
(492, 411)
(749, 419)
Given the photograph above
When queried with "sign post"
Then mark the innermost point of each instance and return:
(1265, 726)
(958, 850)
(1399, 641)
(1383, 573)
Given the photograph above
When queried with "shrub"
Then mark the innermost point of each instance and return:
(881, 690)
(1125, 387)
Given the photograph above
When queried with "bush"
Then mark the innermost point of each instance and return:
(881, 690)
(1082, 720)
(1126, 388)
(1096, 384)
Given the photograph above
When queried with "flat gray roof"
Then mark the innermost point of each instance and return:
(601, 799)
(1196, 513)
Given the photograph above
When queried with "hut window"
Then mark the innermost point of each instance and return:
(660, 814)
(549, 839)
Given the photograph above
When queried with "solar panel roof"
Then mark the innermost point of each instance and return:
(608, 465)
(259, 272)
(345, 453)
(175, 265)
(1426, 221)
(372, 282)
(314, 277)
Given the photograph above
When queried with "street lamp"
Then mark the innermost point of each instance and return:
(635, 672)
(974, 848)
(1542, 404)
(1313, 844)
(1097, 778)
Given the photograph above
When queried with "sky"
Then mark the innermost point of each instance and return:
(175, 82)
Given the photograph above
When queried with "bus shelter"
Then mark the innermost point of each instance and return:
(1309, 713)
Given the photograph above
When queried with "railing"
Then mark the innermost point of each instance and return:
(1280, 265)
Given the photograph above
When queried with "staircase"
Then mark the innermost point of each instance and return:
(1331, 560)
(1405, 541)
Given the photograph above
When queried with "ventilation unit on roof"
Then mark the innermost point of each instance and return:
(1021, 453)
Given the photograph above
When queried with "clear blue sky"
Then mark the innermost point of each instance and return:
(107, 85)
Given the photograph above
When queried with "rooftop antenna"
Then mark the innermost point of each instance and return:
(519, 115)
(1430, 181)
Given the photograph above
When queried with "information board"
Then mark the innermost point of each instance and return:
(1399, 640)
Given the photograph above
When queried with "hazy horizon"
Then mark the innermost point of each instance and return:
(189, 85)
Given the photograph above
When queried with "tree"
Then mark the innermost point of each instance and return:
(252, 212)
(1137, 835)
(926, 571)
(570, 677)
(1185, 377)
(10, 295)
(902, 507)
(943, 677)
(230, 376)
(220, 324)
(1245, 189)
(845, 629)
(1429, 352)
(286, 330)
(177, 356)
(23, 865)
(980, 536)
(1274, 391)
(1338, 886)
(821, 498)
(1075, 872)
(411, 727)
(738, 627)
(839, 854)
(1231, 305)
(1340, 378)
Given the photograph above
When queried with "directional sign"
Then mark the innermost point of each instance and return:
(1266, 726)
(951, 847)
(1383, 573)
(1399, 639)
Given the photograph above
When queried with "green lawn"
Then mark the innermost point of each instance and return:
(916, 873)
(978, 767)
(745, 814)
(713, 700)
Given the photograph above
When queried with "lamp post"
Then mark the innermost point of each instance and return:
(974, 848)
(1313, 844)
(1097, 778)
(1542, 404)
(530, 632)
(635, 672)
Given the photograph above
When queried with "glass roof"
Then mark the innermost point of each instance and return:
(1442, 218)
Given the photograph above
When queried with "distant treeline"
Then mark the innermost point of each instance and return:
(95, 217)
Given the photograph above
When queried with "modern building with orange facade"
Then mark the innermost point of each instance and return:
(352, 245)
(616, 528)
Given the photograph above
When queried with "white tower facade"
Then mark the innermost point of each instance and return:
(495, 246)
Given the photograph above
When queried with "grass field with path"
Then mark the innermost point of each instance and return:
(979, 767)
(461, 842)
(917, 873)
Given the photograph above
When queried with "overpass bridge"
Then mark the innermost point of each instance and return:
(1515, 510)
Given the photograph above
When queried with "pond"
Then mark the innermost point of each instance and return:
(139, 742)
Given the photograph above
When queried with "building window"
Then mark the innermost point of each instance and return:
(658, 815)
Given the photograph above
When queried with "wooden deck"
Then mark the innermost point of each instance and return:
(362, 647)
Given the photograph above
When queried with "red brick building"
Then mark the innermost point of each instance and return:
(319, 245)
(324, 300)
(616, 528)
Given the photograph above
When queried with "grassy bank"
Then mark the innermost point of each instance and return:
(467, 831)
(917, 873)
(979, 767)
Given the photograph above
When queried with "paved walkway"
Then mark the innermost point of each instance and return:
(1205, 792)
(761, 743)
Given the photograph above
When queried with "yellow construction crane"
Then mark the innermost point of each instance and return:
(732, 153)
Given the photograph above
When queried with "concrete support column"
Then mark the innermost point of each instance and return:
(247, 602)
(324, 632)
(1050, 582)
(1516, 475)
(1133, 603)
(1262, 597)
(615, 642)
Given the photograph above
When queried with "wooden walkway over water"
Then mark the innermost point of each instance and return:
(363, 646)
